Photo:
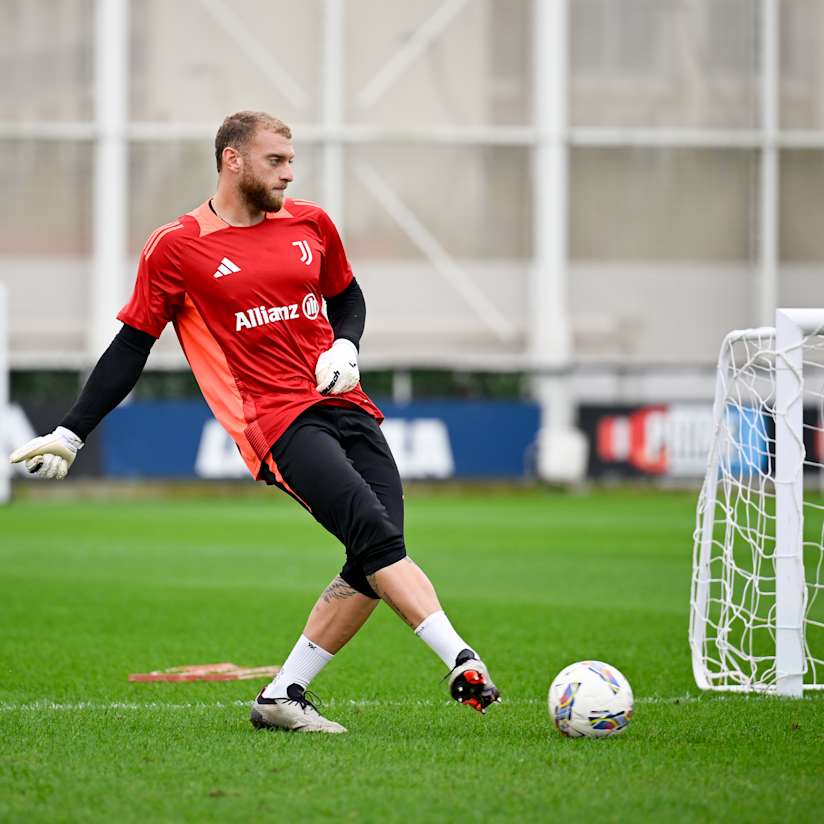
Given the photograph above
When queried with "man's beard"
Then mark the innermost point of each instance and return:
(258, 196)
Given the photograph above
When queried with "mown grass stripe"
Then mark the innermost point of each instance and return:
(37, 706)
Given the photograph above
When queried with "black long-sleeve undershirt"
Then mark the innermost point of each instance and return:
(347, 313)
(114, 376)
(120, 366)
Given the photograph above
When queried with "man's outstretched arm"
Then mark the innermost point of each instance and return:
(114, 376)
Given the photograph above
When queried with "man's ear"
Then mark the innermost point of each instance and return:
(231, 159)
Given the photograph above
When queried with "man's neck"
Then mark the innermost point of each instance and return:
(232, 210)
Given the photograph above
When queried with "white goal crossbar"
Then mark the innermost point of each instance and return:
(755, 624)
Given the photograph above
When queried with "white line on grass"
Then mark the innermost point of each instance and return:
(93, 706)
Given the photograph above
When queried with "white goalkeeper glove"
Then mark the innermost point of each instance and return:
(337, 368)
(49, 456)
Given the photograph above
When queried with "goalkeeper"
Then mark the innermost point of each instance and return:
(242, 278)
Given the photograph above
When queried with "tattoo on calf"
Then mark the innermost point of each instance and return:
(373, 582)
(338, 590)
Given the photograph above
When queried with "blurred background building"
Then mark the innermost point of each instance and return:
(563, 202)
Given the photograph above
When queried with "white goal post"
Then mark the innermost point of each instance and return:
(757, 608)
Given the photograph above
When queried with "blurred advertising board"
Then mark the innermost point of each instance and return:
(655, 440)
(434, 440)
(673, 440)
(430, 440)
(27, 420)
(180, 439)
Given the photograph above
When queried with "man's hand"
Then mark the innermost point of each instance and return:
(337, 368)
(49, 456)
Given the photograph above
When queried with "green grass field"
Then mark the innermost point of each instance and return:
(90, 592)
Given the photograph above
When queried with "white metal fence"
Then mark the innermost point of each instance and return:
(519, 183)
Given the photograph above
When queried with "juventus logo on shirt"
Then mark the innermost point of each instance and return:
(305, 251)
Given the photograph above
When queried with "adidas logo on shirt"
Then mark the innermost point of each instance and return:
(226, 267)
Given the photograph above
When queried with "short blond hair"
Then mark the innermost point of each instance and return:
(239, 128)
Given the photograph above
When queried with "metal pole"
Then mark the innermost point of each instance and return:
(334, 91)
(255, 47)
(401, 386)
(404, 57)
(549, 340)
(767, 292)
(110, 171)
(560, 449)
(789, 515)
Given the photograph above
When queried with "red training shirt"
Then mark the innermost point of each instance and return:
(246, 306)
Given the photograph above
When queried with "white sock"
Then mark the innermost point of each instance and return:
(305, 661)
(439, 635)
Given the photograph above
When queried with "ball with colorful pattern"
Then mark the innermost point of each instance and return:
(590, 699)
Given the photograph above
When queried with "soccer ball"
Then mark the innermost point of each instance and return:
(590, 698)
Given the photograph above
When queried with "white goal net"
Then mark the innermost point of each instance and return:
(757, 606)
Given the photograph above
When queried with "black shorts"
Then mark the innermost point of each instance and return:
(336, 463)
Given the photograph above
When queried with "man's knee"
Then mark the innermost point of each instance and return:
(370, 560)
(378, 557)
(354, 576)
(374, 541)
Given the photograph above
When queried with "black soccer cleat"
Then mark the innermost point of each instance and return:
(470, 684)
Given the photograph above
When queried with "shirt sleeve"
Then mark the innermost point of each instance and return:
(335, 273)
(158, 290)
(347, 313)
(114, 376)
